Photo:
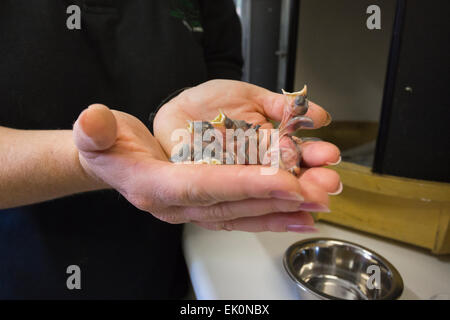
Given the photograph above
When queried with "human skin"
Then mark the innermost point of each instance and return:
(113, 149)
(256, 105)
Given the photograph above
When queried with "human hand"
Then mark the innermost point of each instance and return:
(243, 101)
(117, 150)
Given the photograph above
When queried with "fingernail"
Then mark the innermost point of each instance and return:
(284, 195)
(313, 207)
(301, 228)
(338, 191)
(335, 163)
(328, 120)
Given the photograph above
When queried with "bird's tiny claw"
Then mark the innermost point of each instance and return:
(295, 171)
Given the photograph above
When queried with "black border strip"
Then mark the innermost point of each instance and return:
(389, 87)
(294, 17)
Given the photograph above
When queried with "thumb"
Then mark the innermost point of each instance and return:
(95, 129)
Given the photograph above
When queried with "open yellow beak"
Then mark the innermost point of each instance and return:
(302, 92)
(219, 120)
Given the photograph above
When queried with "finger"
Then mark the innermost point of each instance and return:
(275, 222)
(319, 115)
(316, 200)
(201, 184)
(325, 178)
(316, 197)
(239, 209)
(95, 129)
(319, 153)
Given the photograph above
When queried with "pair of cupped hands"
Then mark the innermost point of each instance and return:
(116, 150)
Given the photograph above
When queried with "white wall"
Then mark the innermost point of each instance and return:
(344, 63)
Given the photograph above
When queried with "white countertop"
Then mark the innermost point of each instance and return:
(239, 265)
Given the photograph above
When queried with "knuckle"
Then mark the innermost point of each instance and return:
(218, 226)
(165, 194)
(196, 194)
(219, 212)
(171, 218)
(276, 205)
(287, 206)
(265, 226)
(190, 193)
(213, 226)
(228, 225)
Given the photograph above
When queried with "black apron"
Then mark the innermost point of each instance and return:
(128, 55)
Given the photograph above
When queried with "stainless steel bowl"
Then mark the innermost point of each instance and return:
(335, 269)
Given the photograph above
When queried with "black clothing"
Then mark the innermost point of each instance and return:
(128, 55)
